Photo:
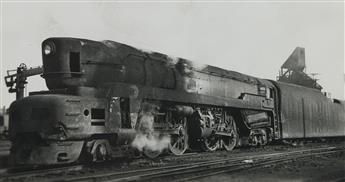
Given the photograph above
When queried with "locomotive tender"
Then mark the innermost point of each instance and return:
(103, 94)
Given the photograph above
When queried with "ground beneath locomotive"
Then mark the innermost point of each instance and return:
(5, 146)
(315, 169)
(322, 168)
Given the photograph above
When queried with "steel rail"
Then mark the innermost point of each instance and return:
(204, 169)
(224, 169)
(15, 173)
(149, 173)
(22, 172)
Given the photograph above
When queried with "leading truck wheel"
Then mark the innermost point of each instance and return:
(99, 152)
(230, 142)
(179, 143)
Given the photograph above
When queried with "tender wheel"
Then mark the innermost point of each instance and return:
(230, 142)
(179, 143)
(211, 143)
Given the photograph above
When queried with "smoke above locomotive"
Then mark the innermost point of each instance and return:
(108, 99)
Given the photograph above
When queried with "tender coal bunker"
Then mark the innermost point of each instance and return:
(74, 61)
(97, 113)
(39, 113)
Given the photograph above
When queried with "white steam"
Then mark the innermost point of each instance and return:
(146, 138)
(151, 142)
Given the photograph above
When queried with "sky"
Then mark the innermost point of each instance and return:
(253, 38)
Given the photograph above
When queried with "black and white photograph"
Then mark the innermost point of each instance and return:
(175, 90)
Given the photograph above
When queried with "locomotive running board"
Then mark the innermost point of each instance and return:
(140, 92)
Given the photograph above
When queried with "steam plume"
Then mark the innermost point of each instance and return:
(145, 138)
(151, 142)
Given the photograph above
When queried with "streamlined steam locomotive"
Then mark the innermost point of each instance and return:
(102, 95)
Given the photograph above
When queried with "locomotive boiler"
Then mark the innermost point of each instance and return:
(103, 96)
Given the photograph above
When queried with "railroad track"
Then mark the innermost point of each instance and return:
(26, 172)
(187, 172)
(184, 172)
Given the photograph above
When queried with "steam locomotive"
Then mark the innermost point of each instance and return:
(105, 96)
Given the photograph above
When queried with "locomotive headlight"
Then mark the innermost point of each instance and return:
(48, 48)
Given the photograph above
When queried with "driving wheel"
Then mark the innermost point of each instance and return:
(179, 142)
